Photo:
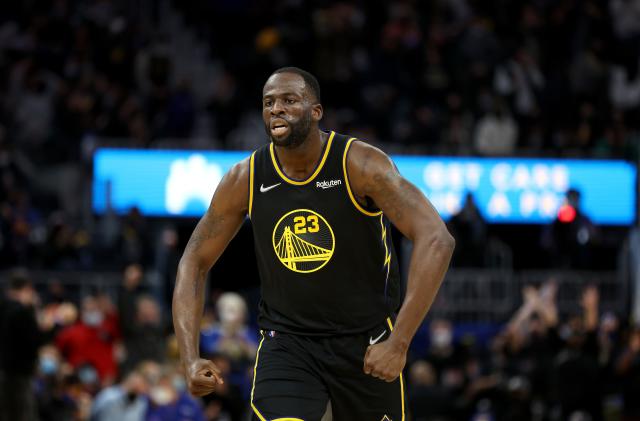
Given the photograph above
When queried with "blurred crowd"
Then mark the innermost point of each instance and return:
(105, 356)
(445, 77)
(102, 357)
(538, 367)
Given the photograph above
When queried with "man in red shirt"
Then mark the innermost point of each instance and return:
(92, 339)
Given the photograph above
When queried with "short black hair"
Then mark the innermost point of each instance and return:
(310, 80)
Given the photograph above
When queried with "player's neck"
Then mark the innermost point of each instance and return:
(301, 161)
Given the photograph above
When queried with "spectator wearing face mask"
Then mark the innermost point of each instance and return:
(92, 339)
(231, 336)
(123, 402)
(443, 354)
(167, 402)
(52, 386)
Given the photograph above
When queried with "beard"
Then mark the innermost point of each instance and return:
(298, 132)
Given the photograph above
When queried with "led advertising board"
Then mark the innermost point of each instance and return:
(181, 183)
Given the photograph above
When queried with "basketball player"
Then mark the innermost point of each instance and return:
(320, 205)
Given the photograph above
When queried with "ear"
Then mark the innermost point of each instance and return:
(317, 112)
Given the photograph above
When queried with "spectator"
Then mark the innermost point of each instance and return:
(142, 324)
(628, 368)
(427, 399)
(53, 405)
(571, 236)
(167, 403)
(446, 357)
(126, 401)
(496, 133)
(624, 88)
(228, 401)
(20, 336)
(521, 79)
(92, 339)
(469, 224)
(578, 377)
(231, 336)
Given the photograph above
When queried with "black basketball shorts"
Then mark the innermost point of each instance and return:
(295, 376)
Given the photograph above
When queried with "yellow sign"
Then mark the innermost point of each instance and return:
(303, 240)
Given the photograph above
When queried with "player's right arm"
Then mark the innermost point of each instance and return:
(221, 222)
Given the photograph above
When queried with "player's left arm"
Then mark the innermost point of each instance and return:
(373, 175)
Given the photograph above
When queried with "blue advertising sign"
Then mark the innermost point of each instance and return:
(507, 190)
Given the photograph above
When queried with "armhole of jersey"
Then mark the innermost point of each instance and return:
(346, 181)
(251, 171)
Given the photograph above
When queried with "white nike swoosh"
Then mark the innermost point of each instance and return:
(375, 341)
(264, 189)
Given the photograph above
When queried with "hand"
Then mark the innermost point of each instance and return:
(385, 360)
(547, 304)
(202, 377)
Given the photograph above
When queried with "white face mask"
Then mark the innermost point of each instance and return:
(161, 395)
(442, 338)
(92, 318)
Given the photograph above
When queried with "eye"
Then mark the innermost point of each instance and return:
(290, 101)
(267, 102)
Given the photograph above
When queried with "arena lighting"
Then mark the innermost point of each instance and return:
(180, 183)
(566, 214)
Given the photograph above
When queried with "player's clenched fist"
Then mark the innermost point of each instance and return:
(385, 360)
(202, 377)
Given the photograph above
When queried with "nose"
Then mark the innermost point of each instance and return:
(277, 107)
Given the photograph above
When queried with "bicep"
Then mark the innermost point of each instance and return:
(402, 202)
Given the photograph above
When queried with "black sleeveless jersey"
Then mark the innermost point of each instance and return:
(326, 263)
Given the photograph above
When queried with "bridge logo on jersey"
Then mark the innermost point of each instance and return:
(303, 241)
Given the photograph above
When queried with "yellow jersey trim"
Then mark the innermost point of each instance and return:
(288, 419)
(251, 171)
(346, 181)
(315, 173)
(253, 386)
(401, 379)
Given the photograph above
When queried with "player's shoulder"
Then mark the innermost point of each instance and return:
(239, 172)
(234, 186)
(365, 158)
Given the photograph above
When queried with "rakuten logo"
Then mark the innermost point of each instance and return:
(328, 184)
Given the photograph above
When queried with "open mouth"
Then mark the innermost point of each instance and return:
(279, 127)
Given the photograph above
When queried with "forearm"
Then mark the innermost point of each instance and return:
(188, 306)
(429, 262)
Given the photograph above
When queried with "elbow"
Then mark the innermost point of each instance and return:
(443, 241)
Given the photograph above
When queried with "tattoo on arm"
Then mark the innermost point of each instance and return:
(393, 193)
(208, 227)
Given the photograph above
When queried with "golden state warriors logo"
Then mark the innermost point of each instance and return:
(303, 240)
